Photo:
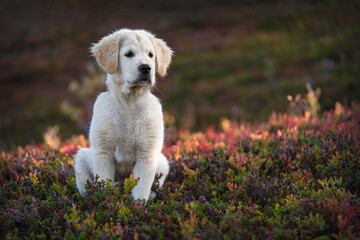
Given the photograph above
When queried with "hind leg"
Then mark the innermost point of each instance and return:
(83, 169)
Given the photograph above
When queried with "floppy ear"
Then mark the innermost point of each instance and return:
(106, 52)
(163, 56)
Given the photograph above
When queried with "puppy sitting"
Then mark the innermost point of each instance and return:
(127, 130)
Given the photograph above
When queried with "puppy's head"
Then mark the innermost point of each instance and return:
(133, 57)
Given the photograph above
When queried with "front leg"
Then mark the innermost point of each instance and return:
(145, 170)
(104, 166)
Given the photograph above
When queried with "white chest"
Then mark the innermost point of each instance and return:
(130, 131)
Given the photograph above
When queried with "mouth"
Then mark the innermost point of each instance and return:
(143, 80)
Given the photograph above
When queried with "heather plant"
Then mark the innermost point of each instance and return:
(293, 177)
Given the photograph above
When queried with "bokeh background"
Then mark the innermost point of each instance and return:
(235, 59)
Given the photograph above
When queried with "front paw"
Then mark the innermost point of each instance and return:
(140, 195)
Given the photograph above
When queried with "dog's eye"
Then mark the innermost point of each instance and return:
(150, 54)
(129, 54)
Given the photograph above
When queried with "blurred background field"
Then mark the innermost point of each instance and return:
(235, 59)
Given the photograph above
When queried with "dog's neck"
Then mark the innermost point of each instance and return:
(123, 94)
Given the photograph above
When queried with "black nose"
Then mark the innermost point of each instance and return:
(144, 68)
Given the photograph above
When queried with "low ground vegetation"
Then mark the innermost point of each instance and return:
(291, 178)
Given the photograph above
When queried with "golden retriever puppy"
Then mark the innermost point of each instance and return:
(127, 129)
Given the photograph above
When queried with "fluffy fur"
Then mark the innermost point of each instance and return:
(127, 130)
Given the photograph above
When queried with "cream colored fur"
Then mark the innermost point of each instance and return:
(127, 130)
